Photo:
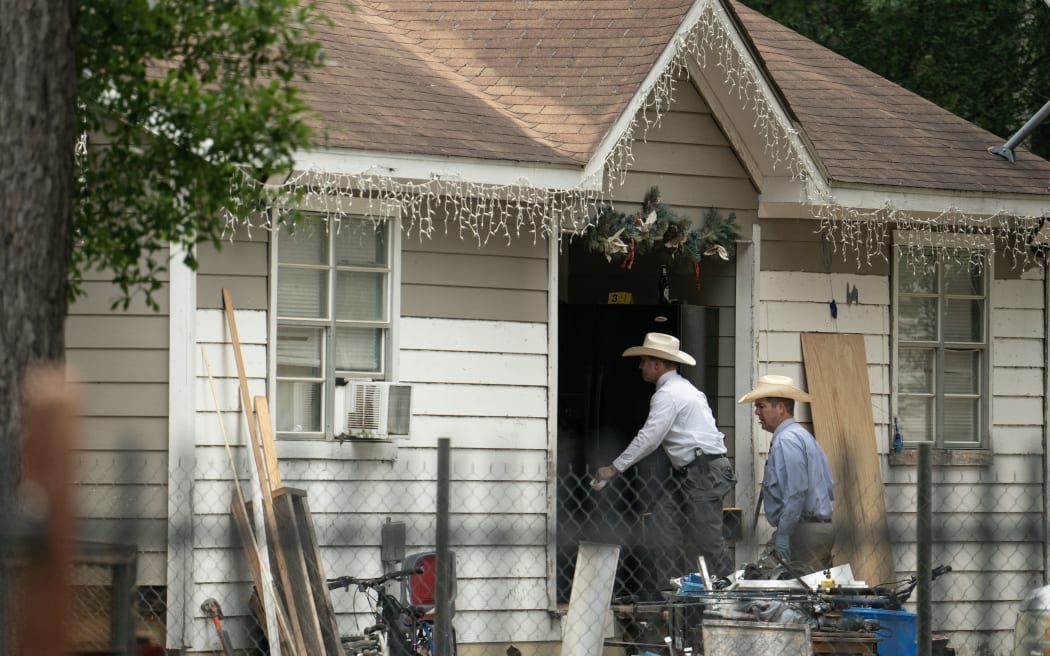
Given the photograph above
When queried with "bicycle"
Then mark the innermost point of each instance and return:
(400, 630)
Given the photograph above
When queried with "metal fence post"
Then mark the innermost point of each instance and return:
(924, 552)
(443, 623)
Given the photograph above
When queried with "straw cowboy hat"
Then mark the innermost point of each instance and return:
(659, 345)
(775, 386)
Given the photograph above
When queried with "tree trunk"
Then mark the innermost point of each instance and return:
(38, 129)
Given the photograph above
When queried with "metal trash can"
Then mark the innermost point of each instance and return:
(1032, 629)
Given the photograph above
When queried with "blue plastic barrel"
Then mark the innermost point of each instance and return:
(897, 635)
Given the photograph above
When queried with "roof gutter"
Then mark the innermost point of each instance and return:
(785, 198)
(494, 173)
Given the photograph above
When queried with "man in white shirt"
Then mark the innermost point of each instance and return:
(680, 420)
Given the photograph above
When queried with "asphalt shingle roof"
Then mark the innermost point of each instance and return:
(866, 129)
(543, 81)
(521, 80)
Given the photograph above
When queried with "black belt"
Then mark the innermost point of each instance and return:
(700, 457)
(816, 520)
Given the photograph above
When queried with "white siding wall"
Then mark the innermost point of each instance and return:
(987, 524)
(478, 366)
(121, 359)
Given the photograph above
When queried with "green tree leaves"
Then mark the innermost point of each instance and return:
(188, 106)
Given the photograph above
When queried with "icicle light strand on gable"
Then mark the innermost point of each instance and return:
(486, 213)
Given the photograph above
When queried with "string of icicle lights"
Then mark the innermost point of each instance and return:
(485, 213)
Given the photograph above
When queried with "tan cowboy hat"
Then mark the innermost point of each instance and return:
(775, 386)
(659, 345)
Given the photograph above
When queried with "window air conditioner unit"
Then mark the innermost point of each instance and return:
(373, 410)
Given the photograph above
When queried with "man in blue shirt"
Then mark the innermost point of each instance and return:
(680, 420)
(797, 489)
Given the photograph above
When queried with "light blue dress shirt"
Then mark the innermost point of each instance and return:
(680, 419)
(797, 480)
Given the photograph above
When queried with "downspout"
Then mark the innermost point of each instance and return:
(745, 373)
(1046, 421)
(554, 282)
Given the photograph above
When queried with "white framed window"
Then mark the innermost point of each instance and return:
(942, 355)
(334, 290)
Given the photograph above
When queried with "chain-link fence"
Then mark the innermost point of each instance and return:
(516, 535)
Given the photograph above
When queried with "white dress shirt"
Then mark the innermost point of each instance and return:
(680, 419)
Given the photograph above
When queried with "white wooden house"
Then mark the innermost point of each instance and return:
(463, 141)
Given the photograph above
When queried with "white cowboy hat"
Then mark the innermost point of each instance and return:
(659, 345)
(773, 386)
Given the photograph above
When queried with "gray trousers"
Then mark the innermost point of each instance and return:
(691, 519)
(811, 546)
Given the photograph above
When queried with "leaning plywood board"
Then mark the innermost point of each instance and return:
(837, 375)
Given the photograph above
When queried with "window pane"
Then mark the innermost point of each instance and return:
(917, 319)
(299, 351)
(360, 296)
(960, 420)
(966, 277)
(298, 407)
(361, 244)
(916, 370)
(918, 273)
(359, 349)
(962, 371)
(916, 417)
(963, 320)
(302, 293)
(306, 243)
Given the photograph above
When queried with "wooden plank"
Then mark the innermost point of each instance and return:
(315, 570)
(251, 552)
(273, 471)
(294, 574)
(837, 375)
(295, 627)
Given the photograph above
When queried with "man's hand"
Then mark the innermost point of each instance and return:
(606, 473)
(783, 547)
